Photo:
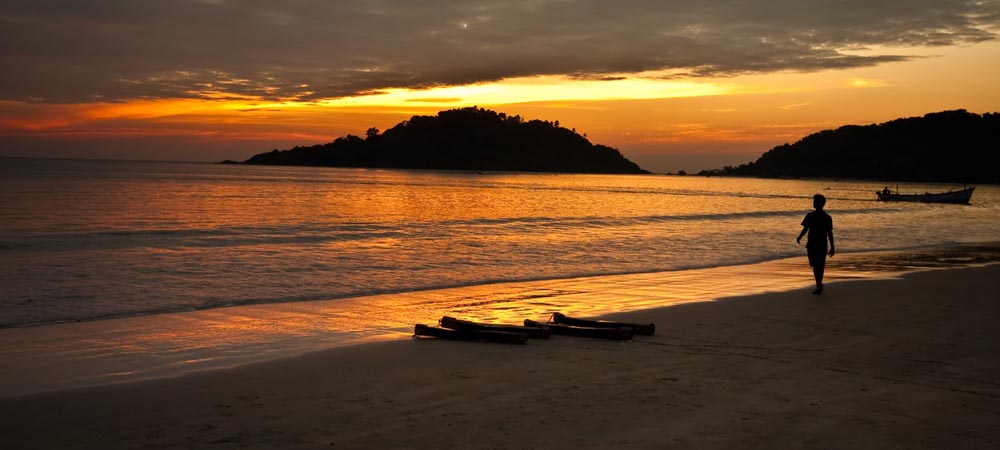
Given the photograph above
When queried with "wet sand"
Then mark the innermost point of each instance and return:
(910, 362)
(85, 354)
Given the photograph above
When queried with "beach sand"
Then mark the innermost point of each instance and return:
(911, 362)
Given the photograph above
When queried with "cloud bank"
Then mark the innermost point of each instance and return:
(68, 51)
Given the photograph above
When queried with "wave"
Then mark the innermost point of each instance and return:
(903, 258)
(320, 233)
(88, 316)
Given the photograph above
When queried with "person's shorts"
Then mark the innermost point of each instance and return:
(817, 256)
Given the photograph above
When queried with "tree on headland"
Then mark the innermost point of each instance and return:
(462, 139)
(948, 146)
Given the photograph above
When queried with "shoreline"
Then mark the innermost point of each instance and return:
(131, 349)
(907, 361)
(921, 251)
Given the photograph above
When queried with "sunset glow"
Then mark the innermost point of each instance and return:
(320, 224)
(538, 89)
(674, 94)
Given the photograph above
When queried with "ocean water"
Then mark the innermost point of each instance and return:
(86, 240)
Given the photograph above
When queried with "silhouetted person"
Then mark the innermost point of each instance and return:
(819, 225)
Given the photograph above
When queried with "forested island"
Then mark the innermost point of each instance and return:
(949, 146)
(473, 139)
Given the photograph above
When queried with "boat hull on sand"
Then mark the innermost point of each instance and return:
(421, 330)
(644, 329)
(621, 334)
(543, 332)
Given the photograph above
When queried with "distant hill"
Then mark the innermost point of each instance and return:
(948, 146)
(462, 139)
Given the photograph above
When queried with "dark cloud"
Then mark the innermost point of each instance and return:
(73, 51)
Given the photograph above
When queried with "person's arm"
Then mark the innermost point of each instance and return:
(805, 229)
(830, 235)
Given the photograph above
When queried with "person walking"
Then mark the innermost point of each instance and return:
(819, 225)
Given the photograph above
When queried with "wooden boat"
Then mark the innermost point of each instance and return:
(644, 329)
(622, 333)
(421, 330)
(959, 197)
(542, 332)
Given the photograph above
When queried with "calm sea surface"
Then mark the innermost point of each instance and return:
(84, 240)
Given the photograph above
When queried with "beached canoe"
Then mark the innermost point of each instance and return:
(542, 332)
(622, 334)
(645, 329)
(959, 197)
(421, 330)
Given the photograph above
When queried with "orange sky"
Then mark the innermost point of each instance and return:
(662, 120)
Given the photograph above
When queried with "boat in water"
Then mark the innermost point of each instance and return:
(959, 197)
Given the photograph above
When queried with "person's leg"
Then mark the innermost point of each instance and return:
(818, 274)
(817, 259)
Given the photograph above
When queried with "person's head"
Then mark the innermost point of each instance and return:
(819, 201)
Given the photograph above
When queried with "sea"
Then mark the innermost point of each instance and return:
(84, 240)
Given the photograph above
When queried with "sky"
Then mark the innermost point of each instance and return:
(673, 84)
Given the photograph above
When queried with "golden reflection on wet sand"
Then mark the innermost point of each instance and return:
(128, 349)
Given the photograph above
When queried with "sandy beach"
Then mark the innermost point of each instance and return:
(222, 224)
(909, 362)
